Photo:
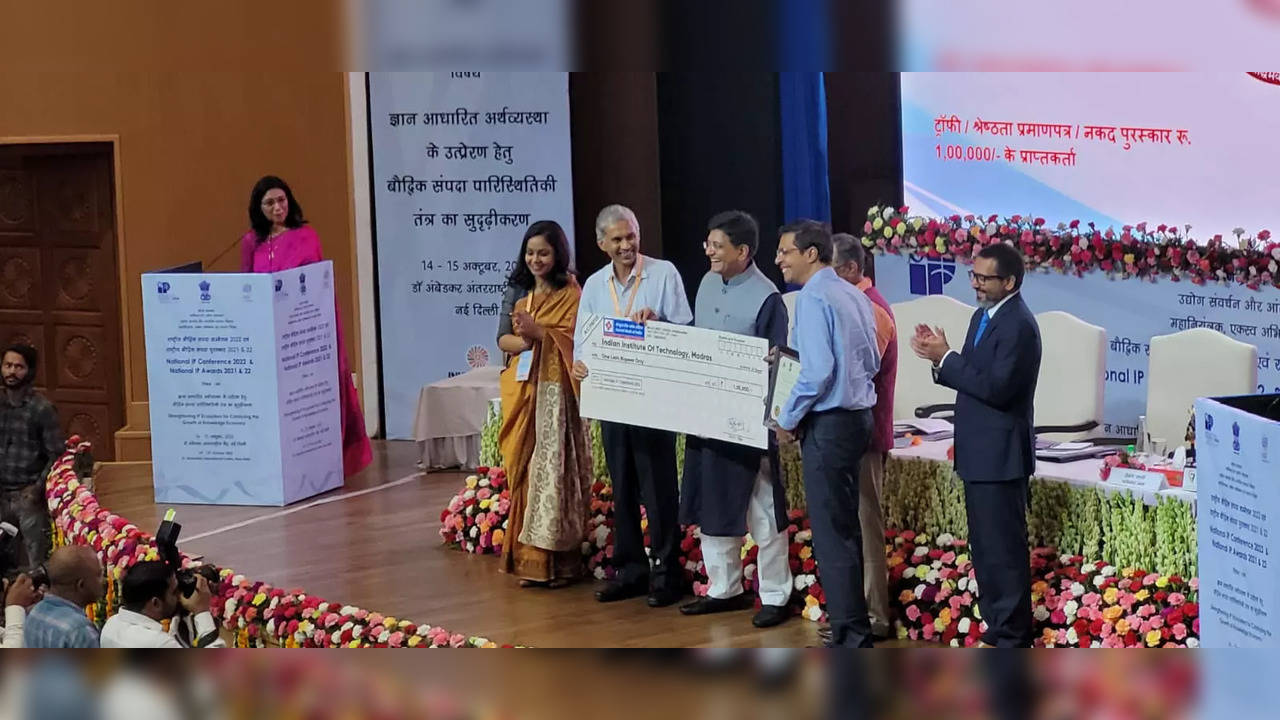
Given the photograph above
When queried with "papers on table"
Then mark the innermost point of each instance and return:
(1070, 451)
(927, 429)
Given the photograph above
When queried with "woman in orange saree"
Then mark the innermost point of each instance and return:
(543, 439)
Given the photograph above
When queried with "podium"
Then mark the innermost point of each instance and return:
(1238, 505)
(242, 377)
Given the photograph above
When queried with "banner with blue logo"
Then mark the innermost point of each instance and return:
(1132, 312)
(242, 377)
(1238, 503)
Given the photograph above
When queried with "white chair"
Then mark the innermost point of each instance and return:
(1192, 364)
(915, 387)
(789, 300)
(1073, 363)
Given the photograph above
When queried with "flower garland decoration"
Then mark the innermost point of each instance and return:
(1075, 248)
(255, 613)
(475, 520)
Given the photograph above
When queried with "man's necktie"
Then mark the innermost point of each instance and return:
(982, 327)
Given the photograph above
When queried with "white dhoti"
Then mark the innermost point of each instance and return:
(722, 556)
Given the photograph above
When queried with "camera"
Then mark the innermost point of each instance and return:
(167, 544)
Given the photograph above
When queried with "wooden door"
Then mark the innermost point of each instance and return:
(59, 285)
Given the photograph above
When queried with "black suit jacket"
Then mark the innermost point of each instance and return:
(995, 384)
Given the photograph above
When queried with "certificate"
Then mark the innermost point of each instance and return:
(696, 381)
(782, 379)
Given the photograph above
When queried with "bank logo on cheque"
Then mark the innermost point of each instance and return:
(625, 329)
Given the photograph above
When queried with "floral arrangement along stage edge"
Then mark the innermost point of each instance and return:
(1077, 602)
(255, 613)
(1135, 251)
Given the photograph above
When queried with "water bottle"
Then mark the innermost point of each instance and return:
(1142, 445)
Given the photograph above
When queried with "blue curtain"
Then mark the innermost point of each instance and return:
(803, 119)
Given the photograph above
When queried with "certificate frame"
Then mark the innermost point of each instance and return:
(785, 355)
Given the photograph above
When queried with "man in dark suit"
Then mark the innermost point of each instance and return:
(994, 376)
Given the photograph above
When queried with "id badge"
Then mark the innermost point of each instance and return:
(524, 364)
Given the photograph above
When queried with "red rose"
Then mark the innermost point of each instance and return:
(482, 470)
(1161, 227)
(1095, 627)
(1106, 265)
(1074, 224)
(903, 210)
(1191, 610)
(1117, 252)
(1039, 221)
(1264, 235)
(894, 222)
(808, 565)
(1205, 265)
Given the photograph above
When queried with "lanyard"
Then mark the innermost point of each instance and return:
(618, 311)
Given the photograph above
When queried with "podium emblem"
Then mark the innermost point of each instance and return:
(205, 295)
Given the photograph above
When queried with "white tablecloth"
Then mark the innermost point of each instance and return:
(1082, 473)
(450, 416)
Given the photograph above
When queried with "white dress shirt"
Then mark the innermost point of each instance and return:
(128, 629)
(15, 617)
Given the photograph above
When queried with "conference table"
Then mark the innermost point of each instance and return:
(1080, 473)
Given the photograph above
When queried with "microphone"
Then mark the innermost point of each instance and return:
(235, 243)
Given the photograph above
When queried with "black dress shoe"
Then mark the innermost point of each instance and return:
(613, 592)
(771, 615)
(708, 605)
(664, 597)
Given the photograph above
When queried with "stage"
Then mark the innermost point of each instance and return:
(375, 544)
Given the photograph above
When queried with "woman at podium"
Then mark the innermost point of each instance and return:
(281, 240)
(543, 438)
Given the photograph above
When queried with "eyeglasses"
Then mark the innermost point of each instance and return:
(985, 278)
(787, 251)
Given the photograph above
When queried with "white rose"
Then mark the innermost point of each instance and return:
(336, 637)
(963, 626)
(1193, 642)
(909, 573)
(919, 591)
(1072, 637)
(963, 584)
(1099, 581)
(932, 577)
(886, 213)
(1077, 589)
(920, 552)
(1071, 608)
(946, 540)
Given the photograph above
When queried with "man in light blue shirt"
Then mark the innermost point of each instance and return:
(642, 461)
(829, 411)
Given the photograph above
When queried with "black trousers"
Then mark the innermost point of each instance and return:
(642, 465)
(997, 515)
(831, 449)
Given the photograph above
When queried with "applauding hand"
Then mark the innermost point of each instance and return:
(525, 326)
(930, 344)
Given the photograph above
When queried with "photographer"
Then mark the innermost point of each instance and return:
(19, 596)
(149, 593)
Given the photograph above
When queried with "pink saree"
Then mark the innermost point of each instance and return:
(301, 246)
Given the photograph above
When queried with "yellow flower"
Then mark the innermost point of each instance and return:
(906, 596)
(353, 644)
(806, 552)
(1153, 638)
(1113, 613)
(472, 481)
(1141, 595)
(944, 616)
(1122, 626)
(259, 599)
(484, 504)
(1038, 587)
(413, 641)
(1162, 581)
(390, 623)
(901, 229)
(977, 613)
(895, 561)
(888, 231)
(877, 224)
(1128, 258)
(810, 600)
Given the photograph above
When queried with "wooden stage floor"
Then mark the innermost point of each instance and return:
(382, 551)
